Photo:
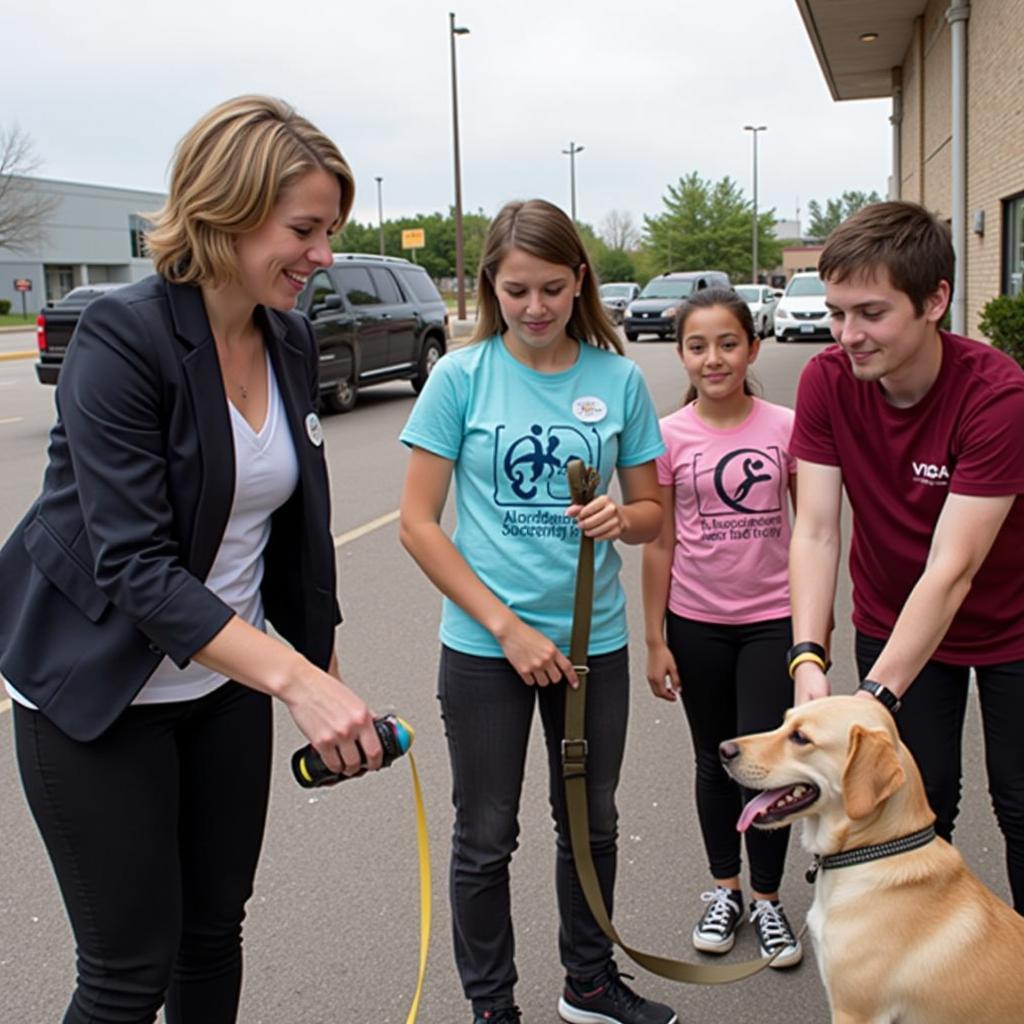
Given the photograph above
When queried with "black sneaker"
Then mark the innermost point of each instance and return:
(774, 934)
(506, 1015)
(609, 1001)
(716, 930)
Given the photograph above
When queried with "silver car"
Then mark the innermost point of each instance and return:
(761, 300)
(616, 296)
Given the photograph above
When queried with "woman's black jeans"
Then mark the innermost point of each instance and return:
(488, 711)
(931, 723)
(154, 830)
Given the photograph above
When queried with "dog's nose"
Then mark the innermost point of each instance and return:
(728, 750)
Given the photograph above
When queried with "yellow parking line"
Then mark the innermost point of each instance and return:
(11, 419)
(28, 353)
(340, 541)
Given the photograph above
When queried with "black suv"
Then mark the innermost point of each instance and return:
(376, 318)
(653, 310)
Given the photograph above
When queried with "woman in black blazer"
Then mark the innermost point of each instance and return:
(185, 504)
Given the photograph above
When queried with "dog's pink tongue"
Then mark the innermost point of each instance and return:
(760, 803)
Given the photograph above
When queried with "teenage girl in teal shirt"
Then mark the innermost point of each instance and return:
(543, 381)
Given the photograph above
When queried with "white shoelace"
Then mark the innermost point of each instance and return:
(773, 929)
(723, 909)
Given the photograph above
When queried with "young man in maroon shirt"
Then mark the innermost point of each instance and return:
(924, 429)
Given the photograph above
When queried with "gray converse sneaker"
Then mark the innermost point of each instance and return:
(716, 930)
(774, 934)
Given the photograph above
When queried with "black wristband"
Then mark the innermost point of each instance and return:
(882, 694)
(808, 647)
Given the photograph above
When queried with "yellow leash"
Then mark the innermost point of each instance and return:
(424, 857)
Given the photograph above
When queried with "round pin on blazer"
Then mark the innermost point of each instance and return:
(314, 431)
(589, 409)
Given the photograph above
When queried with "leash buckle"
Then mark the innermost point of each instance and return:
(574, 758)
(812, 872)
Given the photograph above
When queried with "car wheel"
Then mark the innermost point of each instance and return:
(342, 396)
(432, 351)
(631, 335)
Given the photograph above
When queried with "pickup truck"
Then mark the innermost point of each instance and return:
(56, 323)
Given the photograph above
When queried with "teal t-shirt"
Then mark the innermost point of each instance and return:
(510, 432)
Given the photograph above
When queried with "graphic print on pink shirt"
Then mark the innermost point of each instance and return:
(730, 563)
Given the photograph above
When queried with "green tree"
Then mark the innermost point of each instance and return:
(437, 256)
(823, 221)
(706, 226)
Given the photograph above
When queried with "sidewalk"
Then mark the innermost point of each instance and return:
(17, 343)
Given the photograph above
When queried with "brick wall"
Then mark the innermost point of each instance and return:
(995, 129)
(995, 138)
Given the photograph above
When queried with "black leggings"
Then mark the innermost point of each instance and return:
(931, 723)
(154, 830)
(734, 681)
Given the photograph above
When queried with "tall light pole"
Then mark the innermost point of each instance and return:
(460, 267)
(755, 130)
(380, 214)
(571, 154)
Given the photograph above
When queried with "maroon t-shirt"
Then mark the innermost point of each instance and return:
(966, 436)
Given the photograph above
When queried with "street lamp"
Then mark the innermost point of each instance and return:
(755, 130)
(380, 214)
(460, 269)
(571, 154)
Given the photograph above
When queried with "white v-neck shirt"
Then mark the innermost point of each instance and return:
(266, 472)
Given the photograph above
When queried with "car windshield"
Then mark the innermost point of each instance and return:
(806, 286)
(666, 289)
(748, 294)
(613, 291)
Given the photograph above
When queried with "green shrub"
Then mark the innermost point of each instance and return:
(5, 307)
(1002, 322)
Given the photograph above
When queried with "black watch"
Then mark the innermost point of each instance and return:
(881, 693)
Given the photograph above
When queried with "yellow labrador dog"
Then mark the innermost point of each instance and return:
(903, 932)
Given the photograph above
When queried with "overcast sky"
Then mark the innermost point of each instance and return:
(651, 89)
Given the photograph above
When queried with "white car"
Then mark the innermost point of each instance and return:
(616, 296)
(801, 313)
(760, 299)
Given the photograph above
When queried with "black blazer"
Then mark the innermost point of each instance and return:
(104, 574)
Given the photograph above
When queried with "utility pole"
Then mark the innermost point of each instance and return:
(571, 154)
(460, 266)
(380, 214)
(755, 130)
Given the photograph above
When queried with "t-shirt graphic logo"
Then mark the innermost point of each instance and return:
(530, 469)
(929, 473)
(744, 480)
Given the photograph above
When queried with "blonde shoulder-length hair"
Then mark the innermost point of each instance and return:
(543, 230)
(228, 173)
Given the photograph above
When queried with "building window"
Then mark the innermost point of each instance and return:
(136, 227)
(1013, 245)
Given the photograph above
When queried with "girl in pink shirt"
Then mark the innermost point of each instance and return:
(716, 599)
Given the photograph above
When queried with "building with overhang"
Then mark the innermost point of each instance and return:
(92, 234)
(955, 73)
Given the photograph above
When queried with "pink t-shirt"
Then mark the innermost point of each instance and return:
(730, 563)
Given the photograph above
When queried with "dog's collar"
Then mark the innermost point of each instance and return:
(863, 854)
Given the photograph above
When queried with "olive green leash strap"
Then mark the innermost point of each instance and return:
(583, 484)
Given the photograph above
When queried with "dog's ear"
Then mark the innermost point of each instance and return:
(872, 773)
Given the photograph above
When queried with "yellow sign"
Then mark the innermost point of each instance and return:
(413, 238)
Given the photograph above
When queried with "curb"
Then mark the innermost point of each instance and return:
(14, 328)
(11, 356)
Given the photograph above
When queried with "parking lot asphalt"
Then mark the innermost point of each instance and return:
(332, 929)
